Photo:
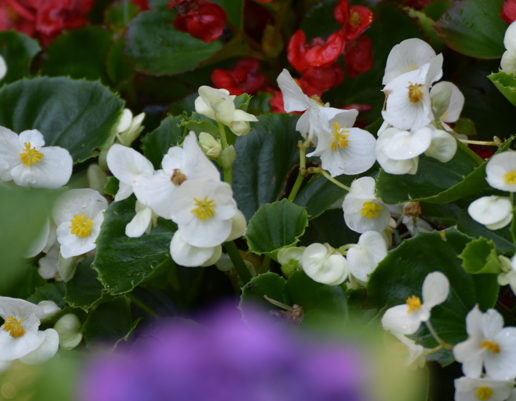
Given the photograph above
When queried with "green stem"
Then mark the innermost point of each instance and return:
(297, 185)
(223, 139)
(470, 153)
(511, 197)
(433, 332)
(330, 178)
(265, 265)
(302, 169)
(142, 306)
(238, 262)
(484, 143)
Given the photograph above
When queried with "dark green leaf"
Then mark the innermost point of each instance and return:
(329, 227)
(154, 47)
(123, 262)
(112, 185)
(426, 23)
(276, 225)
(480, 256)
(79, 116)
(198, 123)
(465, 126)
(49, 292)
(319, 21)
(118, 15)
(265, 157)
(117, 69)
(259, 104)
(269, 284)
(441, 213)
(506, 83)
(156, 144)
(18, 51)
(473, 28)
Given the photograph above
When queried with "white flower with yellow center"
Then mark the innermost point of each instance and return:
(391, 166)
(78, 214)
(406, 318)
(362, 211)
(488, 345)
(501, 171)
(203, 211)
(317, 116)
(482, 389)
(408, 105)
(346, 150)
(25, 159)
(494, 212)
(363, 257)
(409, 55)
(19, 335)
(324, 264)
(179, 165)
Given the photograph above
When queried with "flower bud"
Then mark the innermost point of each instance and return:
(128, 136)
(508, 62)
(68, 328)
(441, 94)
(50, 308)
(323, 264)
(210, 145)
(290, 259)
(238, 226)
(227, 157)
(97, 179)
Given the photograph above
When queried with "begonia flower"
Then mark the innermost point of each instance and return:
(494, 212)
(78, 214)
(50, 309)
(488, 345)
(508, 277)
(363, 257)
(68, 328)
(501, 171)
(296, 50)
(359, 19)
(205, 23)
(322, 55)
(448, 99)
(474, 389)
(509, 40)
(188, 255)
(142, 222)
(406, 318)
(25, 159)
(243, 77)
(443, 145)
(359, 58)
(324, 265)
(210, 145)
(391, 166)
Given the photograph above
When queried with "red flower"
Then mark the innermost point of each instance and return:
(359, 59)
(243, 78)
(508, 12)
(314, 82)
(323, 55)
(205, 23)
(340, 12)
(359, 19)
(296, 51)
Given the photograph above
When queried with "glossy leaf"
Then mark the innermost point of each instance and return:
(479, 256)
(49, 292)
(18, 51)
(269, 284)
(157, 143)
(329, 227)
(80, 116)
(123, 262)
(506, 84)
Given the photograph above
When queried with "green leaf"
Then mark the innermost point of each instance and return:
(441, 213)
(18, 51)
(155, 145)
(402, 272)
(465, 126)
(329, 227)
(84, 290)
(435, 182)
(79, 53)
(501, 238)
(154, 47)
(265, 156)
(513, 226)
(259, 104)
(479, 257)
(269, 284)
(506, 83)
(50, 292)
(117, 68)
(108, 323)
(426, 23)
(118, 15)
(112, 186)
(79, 116)
(123, 262)
(317, 300)
(319, 21)
(276, 225)
(474, 28)
(198, 123)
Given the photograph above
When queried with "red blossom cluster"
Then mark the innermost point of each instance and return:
(508, 11)
(44, 19)
(317, 59)
(201, 19)
(243, 78)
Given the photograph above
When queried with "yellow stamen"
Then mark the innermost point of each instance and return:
(205, 208)
(510, 177)
(80, 226)
(14, 327)
(370, 209)
(318, 100)
(177, 177)
(490, 346)
(413, 303)
(30, 155)
(354, 19)
(340, 138)
(484, 393)
(415, 93)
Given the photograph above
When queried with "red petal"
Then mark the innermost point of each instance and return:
(509, 10)
(308, 89)
(360, 18)
(359, 59)
(250, 64)
(222, 78)
(340, 12)
(324, 56)
(181, 22)
(323, 79)
(207, 22)
(296, 51)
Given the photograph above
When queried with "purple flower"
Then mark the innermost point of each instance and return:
(225, 360)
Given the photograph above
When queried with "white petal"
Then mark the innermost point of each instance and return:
(68, 327)
(500, 224)
(124, 191)
(435, 289)
(509, 40)
(218, 101)
(324, 268)
(398, 320)
(76, 202)
(293, 97)
(443, 146)
(45, 351)
(466, 387)
(34, 137)
(196, 164)
(508, 62)
(139, 224)
(3, 71)
(405, 146)
(126, 163)
(155, 191)
(14, 348)
(502, 366)
(452, 114)
(496, 168)
(215, 258)
(50, 308)
(41, 241)
(397, 167)
(360, 224)
(238, 226)
(125, 121)
(362, 188)
(10, 150)
(490, 209)
(241, 115)
(187, 255)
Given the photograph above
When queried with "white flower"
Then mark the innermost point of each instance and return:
(508, 62)
(345, 150)
(363, 257)
(68, 327)
(323, 264)
(142, 222)
(211, 146)
(362, 211)
(468, 389)
(414, 224)
(238, 226)
(291, 255)
(317, 116)
(443, 146)
(488, 345)
(509, 40)
(415, 353)
(78, 215)
(3, 68)
(46, 239)
(406, 319)
(48, 264)
(179, 165)
(392, 166)
(50, 308)
(447, 101)
(129, 128)
(19, 335)
(492, 211)
(409, 55)
(25, 159)
(126, 164)
(408, 105)
(501, 171)
(508, 277)
(203, 211)
(187, 255)
(404, 145)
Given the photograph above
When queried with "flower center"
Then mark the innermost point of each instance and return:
(80, 226)
(510, 177)
(370, 209)
(490, 346)
(354, 19)
(413, 303)
(30, 155)
(14, 327)
(205, 208)
(415, 93)
(177, 177)
(317, 100)
(413, 209)
(340, 138)
(484, 393)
